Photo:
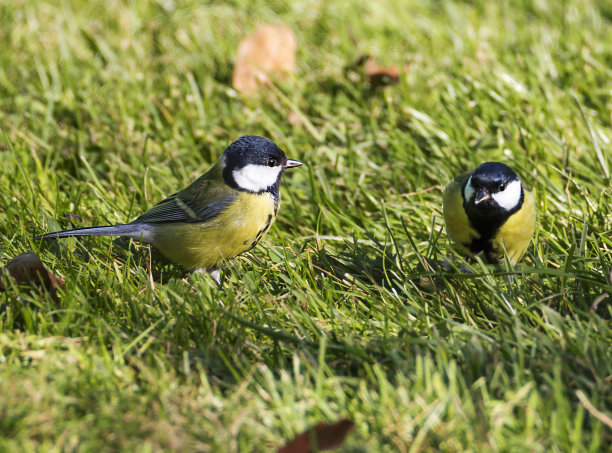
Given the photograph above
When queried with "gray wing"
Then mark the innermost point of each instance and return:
(176, 209)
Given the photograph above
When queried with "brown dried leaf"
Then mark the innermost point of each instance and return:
(27, 268)
(268, 52)
(294, 119)
(325, 436)
(380, 75)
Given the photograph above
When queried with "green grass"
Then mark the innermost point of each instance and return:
(107, 107)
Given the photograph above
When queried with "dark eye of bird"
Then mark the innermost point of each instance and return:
(272, 162)
(502, 187)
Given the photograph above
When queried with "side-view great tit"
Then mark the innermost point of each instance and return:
(223, 213)
(488, 210)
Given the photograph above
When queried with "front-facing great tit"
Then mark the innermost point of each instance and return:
(488, 211)
(223, 213)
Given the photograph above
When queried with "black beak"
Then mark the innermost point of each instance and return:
(292, 163)
(481, 196)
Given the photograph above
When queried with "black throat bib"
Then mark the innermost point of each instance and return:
(487, 221)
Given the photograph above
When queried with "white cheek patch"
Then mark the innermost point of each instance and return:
(256, 178)
(468, 190)
(510, 197)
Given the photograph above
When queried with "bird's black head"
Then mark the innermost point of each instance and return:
(255, 164)
(494, 176)
(492, 193)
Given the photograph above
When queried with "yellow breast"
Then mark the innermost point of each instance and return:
(207, 244)
(515, 234)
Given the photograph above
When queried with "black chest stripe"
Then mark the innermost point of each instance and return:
(261, 232)
(487, 224)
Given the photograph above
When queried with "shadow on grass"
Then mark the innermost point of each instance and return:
(208, 329)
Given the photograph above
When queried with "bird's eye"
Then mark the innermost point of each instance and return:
(502, 187)
(272, 162)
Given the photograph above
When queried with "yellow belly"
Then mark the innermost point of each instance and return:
(207, 244)
(515, 234)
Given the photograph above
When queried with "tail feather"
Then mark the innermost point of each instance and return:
(140, 231)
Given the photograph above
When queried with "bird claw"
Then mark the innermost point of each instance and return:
(215, 274)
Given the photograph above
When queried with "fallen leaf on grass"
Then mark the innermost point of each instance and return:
(366, 69)
(268, 52)
(380, 75)
(27, 268)
(294, 119)
(323, 436)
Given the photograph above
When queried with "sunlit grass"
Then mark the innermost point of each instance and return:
(108, 107)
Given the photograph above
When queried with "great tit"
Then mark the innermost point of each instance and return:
(487, 211)
(223, 213)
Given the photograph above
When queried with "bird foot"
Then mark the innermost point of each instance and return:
(215, 274)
